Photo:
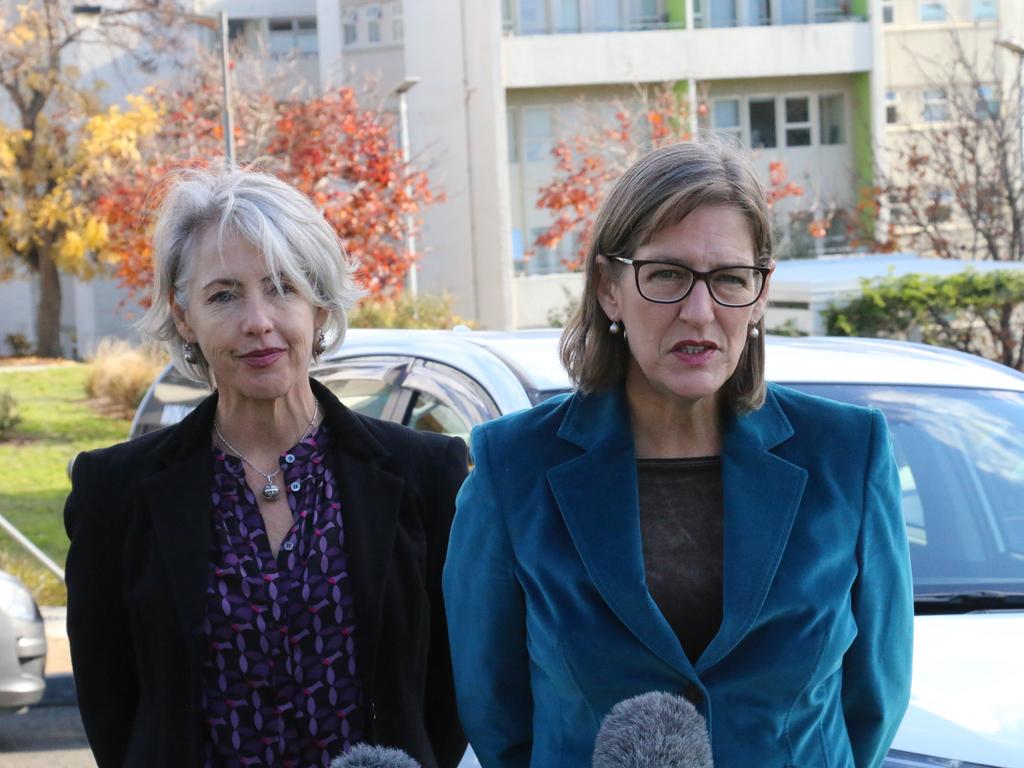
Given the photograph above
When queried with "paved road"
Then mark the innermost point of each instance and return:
(48, 735)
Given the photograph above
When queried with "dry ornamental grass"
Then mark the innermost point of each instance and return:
(120, 374)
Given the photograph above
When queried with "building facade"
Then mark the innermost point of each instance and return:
(826, 87)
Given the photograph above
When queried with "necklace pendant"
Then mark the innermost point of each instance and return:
(271, 491)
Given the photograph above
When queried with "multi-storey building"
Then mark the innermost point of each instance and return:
(811, 83)
(824, 86)
(501, 81)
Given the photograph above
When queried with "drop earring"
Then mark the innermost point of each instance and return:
(754, 332)
(320, 345)
(188, 351)
(615, 329)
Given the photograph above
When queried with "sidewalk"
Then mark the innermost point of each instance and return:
(58, 655)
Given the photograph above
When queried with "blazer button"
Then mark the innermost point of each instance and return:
(693, 694)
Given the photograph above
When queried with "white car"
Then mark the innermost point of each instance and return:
(22, 646)
(958, 426)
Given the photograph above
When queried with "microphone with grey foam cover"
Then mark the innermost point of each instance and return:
(366, 756)
(653, 730)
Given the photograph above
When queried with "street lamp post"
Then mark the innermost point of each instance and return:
(216, 23)
(411, 280)
(225, 66)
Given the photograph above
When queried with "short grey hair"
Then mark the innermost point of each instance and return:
(295, 240)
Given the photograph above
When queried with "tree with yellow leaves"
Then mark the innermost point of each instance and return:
(60, 148)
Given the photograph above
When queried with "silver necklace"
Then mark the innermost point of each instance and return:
(270, 491)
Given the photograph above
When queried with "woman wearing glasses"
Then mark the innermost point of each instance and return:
(675, 524)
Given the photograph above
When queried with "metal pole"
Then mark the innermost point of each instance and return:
(411, 280)
(229, 120)
(33, 550)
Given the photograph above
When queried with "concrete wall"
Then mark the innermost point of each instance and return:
(538, 295)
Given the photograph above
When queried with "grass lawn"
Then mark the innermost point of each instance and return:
(56, 423)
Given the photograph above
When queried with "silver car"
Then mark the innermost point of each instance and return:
(22, 646)
(958, 429)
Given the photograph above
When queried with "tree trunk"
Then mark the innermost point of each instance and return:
(48, 308)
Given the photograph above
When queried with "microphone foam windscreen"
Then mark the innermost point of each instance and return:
(653, 730)
(366, 756)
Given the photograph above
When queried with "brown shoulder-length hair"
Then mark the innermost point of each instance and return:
(656, 192)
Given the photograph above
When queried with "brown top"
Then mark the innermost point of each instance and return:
(681, 531)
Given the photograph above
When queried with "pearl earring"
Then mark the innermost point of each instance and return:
(754, 332)
(615, 329)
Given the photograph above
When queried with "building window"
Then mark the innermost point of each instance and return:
(567, 15)
(538, 134)
(725, 118)
(830, 10)
(607, 15)
(549, 261)
(892, 107)
(508, 24)
(932, 10)
(759, 12)
(723, 13)
(940, 209)
(374, 14)
(984, 10)
(512, 128)
(936, 106)
(532, 17)
(794, 12)
(831, 118)
(236, 29)
(644, 14)
(289, 36)
(762, 123)
(888, 13)
(987, 105)
(798, 121)
(350, 28)
(397, 22)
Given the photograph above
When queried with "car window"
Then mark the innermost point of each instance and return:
(429, 414)
(960, 454)
(366, 396)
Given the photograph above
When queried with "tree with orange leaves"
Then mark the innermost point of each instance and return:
(345, 157)
(588, 163)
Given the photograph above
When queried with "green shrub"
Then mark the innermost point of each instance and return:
(977, 312)
(19, 344)
(9, 417)
(559, 316)
(424, 312)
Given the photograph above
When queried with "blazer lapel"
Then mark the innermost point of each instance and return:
(762, 493)
(178, 497)
(597, 495)
(371, 499)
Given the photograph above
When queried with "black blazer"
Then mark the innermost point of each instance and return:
(138, 517)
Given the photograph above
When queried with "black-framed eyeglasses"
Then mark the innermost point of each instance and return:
(665, 282)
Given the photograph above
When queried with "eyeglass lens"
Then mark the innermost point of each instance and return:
(732, 286)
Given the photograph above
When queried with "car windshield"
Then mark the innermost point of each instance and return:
(961, 461)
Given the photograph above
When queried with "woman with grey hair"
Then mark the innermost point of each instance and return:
(676, 524)
(260, 583)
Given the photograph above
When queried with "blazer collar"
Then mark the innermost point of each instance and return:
(596, 492)
(178, 497)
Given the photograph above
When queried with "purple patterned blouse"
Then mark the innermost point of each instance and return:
(280, 685)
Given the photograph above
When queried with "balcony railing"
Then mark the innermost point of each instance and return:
(559, 17)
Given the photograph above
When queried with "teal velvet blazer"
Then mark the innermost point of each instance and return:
(551, 622)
